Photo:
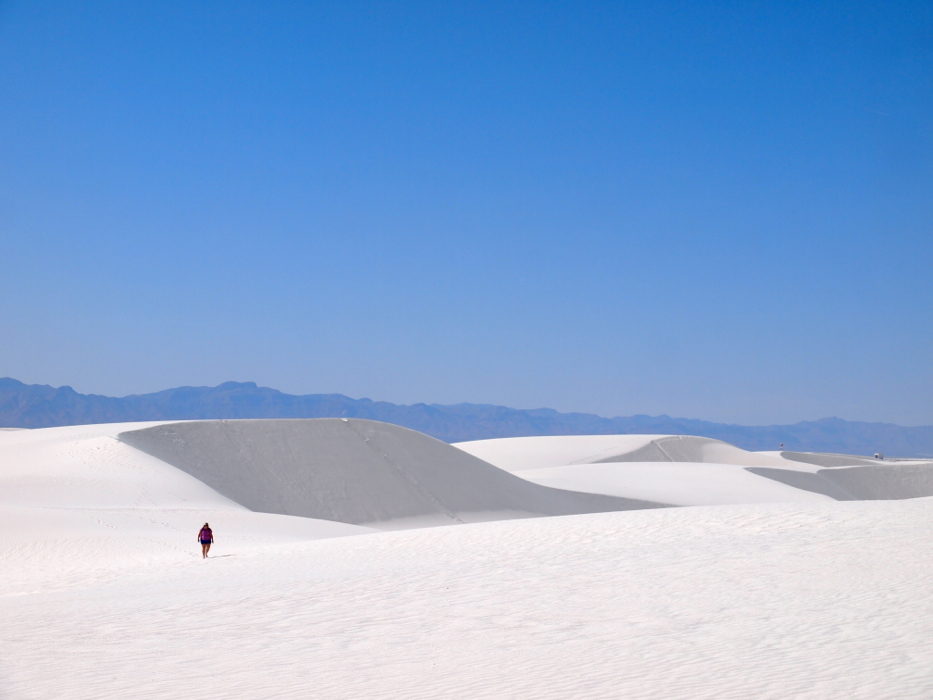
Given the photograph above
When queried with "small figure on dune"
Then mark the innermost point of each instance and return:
(205, 537)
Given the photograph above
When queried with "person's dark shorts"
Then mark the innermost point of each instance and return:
(205, 541)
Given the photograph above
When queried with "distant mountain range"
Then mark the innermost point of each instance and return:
(40, 406)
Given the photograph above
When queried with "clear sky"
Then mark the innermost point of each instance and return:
(710, 210)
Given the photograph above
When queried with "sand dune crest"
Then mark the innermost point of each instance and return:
(355, 471)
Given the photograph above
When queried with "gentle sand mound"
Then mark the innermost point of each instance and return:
(355, 471)
(826, 459)
(874, 483)
(524, 453)
(78, 506)
(679, 483)
(691, 470)
(544, 451)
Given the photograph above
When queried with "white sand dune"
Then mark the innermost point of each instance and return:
(541, 452)
(104, 595)
(84, 506)
(86, 466)
(824, 459)
(689, 470)
(678, 483)
(676, 469)
(355, 471)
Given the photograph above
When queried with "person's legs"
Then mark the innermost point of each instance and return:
(205, 546)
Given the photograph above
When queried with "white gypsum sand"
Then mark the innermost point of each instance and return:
(105, 595)
(523, 453)
(355, 471)
(82, 506)
(805, 601)
(543, 452)
(689, 470)
(677, 483)
(679, 470)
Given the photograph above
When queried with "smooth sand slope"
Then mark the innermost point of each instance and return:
(541, 452)
(104, 596)
(805, 601)
(687, 470)
(82, 506)
(355, 471)
(678, 483)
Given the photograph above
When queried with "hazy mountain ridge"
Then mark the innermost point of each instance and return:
(41, 406)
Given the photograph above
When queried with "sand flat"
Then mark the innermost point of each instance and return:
(824, 600)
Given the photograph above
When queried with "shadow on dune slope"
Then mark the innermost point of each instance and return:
(673, 448)
(354, 471)
(872, 483)
(826, 459)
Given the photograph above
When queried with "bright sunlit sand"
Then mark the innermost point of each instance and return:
(782, 592)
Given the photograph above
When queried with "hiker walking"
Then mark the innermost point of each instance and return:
(206, 538)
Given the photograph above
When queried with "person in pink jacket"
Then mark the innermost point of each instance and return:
(206, 538)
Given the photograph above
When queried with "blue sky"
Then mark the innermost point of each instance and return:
(710, 210)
